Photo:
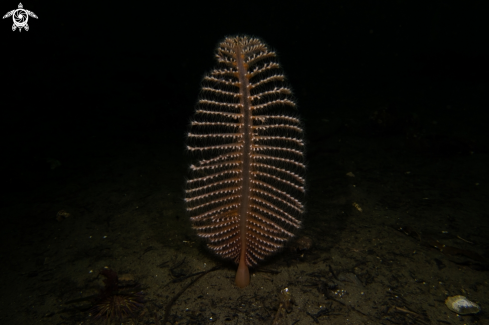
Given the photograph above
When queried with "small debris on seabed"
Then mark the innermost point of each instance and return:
(285, 306)
(61, 215)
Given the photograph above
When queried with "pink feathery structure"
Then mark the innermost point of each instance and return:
(245, 193)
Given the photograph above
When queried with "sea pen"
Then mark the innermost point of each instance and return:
(245, 191)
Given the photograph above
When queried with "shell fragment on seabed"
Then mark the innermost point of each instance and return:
(461, 305)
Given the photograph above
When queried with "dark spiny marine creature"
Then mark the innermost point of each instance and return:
(117, 302)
